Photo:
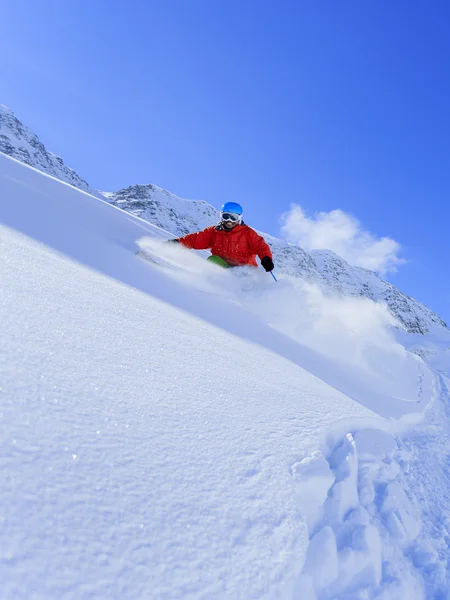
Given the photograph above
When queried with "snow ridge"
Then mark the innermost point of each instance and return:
(18, 141)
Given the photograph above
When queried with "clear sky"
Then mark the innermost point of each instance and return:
(328, 105)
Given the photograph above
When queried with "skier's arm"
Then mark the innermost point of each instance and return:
(202, 240)
(258, 245)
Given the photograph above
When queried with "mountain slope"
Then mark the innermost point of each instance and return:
(162, 440)
(19, 142)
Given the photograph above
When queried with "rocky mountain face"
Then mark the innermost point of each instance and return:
(179, 217)
(18, 141)
(161, 208)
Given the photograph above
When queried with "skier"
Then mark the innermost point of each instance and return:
(231, 241)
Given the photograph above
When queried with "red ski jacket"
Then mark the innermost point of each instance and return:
(238, 246)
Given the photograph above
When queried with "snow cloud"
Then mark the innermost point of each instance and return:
(344, 235)
(355, 333)
(348, 329)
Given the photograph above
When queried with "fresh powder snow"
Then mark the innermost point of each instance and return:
(175, 430)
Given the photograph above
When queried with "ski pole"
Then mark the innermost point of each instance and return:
(271, 272)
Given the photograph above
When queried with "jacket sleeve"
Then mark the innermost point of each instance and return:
(198, 241)
(258, 244)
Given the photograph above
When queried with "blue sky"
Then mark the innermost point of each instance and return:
(329, 105)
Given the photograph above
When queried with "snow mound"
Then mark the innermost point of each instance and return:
(363, 536)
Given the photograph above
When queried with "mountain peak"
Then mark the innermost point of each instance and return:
(6, 110)
(20, 143)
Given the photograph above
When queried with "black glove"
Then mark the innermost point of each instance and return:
(267, 263)
(174, 241)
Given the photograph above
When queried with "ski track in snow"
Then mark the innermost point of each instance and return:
(379, 514)
(428, 481)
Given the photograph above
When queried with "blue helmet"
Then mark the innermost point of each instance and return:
(232, 207)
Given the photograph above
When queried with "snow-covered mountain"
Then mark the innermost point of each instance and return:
(18, 141)
(180, 216)
(160, 207)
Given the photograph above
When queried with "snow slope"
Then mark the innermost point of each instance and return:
(181, 433)
(434, 348)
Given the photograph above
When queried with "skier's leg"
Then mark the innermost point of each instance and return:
(217, 260)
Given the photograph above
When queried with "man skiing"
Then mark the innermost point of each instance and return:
(231, 241)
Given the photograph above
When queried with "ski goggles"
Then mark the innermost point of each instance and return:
(231, 217)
